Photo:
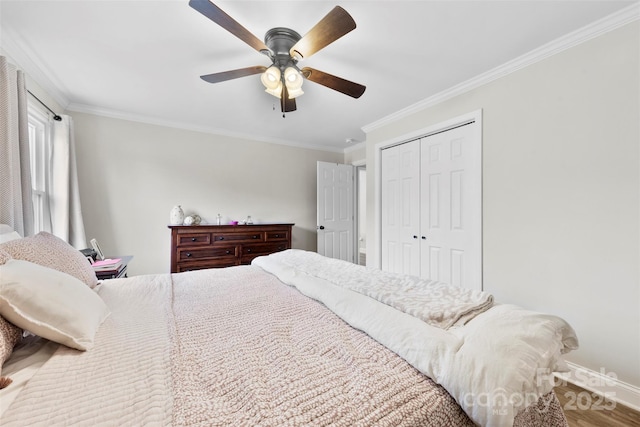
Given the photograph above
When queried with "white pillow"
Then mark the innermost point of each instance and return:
(11, 235)
(50, 303)
(5, 228)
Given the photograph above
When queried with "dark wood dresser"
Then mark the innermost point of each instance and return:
(194, 247)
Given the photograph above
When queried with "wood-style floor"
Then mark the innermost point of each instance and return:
(585, 409)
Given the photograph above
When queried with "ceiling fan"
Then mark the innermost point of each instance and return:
(285, 47)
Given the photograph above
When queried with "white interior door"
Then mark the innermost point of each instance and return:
(451, 212)
(336, 211)
(400, 179)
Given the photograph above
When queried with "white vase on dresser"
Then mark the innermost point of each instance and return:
(176, 216)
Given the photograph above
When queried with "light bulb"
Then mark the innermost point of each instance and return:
(293, 79)
(271, 77)
(276, 91)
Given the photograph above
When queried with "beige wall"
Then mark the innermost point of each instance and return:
(561, 191)
(131, 175)
(355, 154)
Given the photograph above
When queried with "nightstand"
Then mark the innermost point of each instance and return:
(121, 272)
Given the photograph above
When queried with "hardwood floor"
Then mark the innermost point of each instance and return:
(585, 409)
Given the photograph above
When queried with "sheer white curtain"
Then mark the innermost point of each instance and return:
(16, 205)
(64, 194)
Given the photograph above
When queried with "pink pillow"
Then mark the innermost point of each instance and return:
(50, 251)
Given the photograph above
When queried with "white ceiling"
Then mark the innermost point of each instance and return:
(142, 59)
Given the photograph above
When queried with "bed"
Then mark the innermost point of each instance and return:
(295, 339)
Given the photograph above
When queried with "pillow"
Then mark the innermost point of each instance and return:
(10, 334)
(50, 303)
(7, 237)
(5, 228)
(50, 251)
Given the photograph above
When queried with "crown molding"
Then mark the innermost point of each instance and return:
(616, 20)
(354, 147)
(114, 114)
(24, 58)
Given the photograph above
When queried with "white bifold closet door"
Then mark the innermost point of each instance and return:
(401, 208)
(432, 207)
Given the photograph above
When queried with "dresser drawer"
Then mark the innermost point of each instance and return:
(194, 253)
(242, 237)
(277, 236)
(201, 265)
(194, 239)
(249, 252)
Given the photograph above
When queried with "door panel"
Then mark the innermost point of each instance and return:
(335, 198)
(401, 207)
(452, 207)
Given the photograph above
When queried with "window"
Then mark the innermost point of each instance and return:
(39, 151)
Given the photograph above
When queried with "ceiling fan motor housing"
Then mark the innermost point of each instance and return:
(280, 40)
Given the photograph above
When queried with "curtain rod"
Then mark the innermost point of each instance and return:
(55, 116)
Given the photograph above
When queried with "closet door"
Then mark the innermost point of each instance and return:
(451, 207)
(400, 178)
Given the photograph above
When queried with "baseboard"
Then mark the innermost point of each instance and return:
(602, 383)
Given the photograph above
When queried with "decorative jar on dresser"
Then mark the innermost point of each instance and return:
(208, 246)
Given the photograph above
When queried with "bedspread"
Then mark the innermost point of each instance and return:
(277, 358)
(227, 347)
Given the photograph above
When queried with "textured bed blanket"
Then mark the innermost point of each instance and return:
(495, 366)
(277, 358)
(227, 347)
(235, 347)
(435, 303)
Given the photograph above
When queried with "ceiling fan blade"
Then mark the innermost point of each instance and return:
(218, 16)
(334, 25)
(286, 104)
(347, 87)
(233, 74)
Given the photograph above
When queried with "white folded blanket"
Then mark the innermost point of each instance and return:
(435, 303)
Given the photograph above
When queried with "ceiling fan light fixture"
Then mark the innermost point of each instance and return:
(271, 78)
(294, 93)
(275, 91)
(293, 79)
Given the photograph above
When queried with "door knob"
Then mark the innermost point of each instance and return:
(424, 237)
(321, 227)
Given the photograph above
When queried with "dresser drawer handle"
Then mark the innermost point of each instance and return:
(221, 238)
(277, 235)
(228, 252)
(193, 239)
(254, 236)
(248, 250)
(188, 254)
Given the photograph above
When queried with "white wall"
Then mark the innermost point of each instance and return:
(131, 175)
(561, 191)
